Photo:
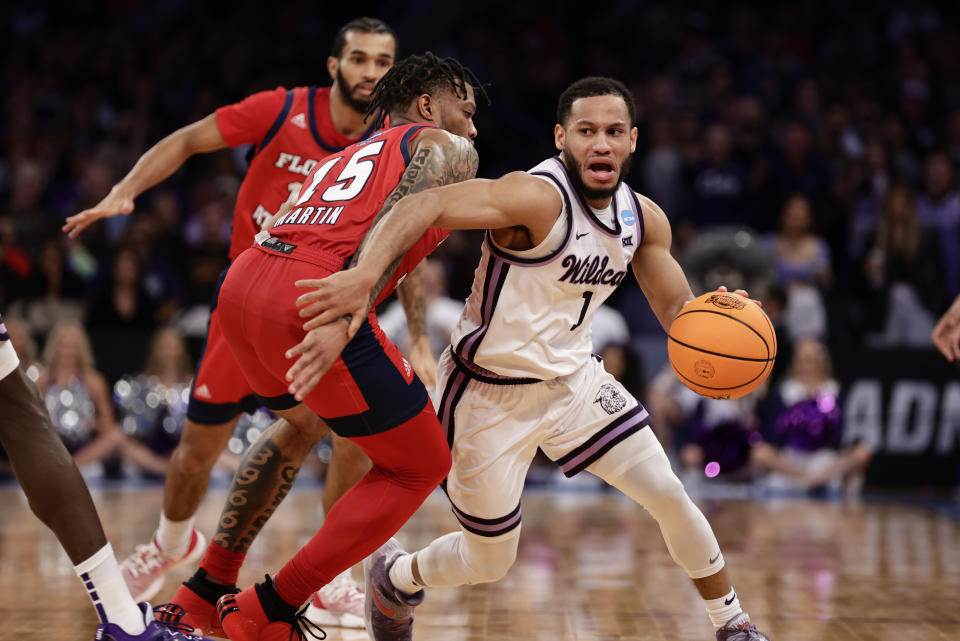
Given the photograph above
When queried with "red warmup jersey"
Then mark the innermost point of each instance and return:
(291, 132)
(345, 192)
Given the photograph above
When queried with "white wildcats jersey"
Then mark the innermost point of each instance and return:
(531, 318)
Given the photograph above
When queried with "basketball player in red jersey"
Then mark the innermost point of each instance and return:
(371, 394)
(291, 130)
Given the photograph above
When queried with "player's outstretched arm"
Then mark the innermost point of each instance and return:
(946, 334)
(156, 164)
(515, 200)
(438, 158)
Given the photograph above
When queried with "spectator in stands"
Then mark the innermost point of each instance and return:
(802, 429)
(16, 267)
(662, 169)
(874, 177)
(78, 398)
(902, 285)
(159, 271)
(702, 429)
(803, 268)
(938, 208)
(798, 168)
(55, 292)
(208, 237)
(153, 403)
(122, 301)
(717, 183)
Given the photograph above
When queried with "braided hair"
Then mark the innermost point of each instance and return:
(417, 75)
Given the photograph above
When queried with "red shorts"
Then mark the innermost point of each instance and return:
(369, 389)
(219, 391)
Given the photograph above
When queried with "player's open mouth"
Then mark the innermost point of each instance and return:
(602, 169)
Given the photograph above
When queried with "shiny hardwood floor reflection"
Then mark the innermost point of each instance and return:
(590, 568)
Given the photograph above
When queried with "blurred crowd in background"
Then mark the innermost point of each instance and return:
(806, 153)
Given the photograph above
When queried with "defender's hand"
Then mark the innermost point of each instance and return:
(314, 355)
(423, 362)
(345, 293)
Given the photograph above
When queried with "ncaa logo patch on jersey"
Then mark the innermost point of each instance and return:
(610, 398)
(627, 217)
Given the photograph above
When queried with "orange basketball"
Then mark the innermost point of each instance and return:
(722, 345)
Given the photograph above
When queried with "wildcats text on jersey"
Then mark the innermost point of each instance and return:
(590, 270)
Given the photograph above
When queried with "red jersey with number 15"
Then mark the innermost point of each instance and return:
(291, 131)
(340, 199)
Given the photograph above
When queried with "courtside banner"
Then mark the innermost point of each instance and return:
(906, 404)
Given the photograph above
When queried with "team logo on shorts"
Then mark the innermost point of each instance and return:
(610, 399)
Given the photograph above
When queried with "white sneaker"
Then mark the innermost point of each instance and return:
(338, 604)
(144, 569)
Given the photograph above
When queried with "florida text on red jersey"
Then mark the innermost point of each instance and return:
(291, 132)
(345, 192)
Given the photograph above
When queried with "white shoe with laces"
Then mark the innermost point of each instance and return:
(144, 569)
(338, 604)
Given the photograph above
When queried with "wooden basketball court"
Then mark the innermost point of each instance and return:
(591, 567)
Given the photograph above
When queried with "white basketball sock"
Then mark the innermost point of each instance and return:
(173, 537)
(111, 598)
(723, 609)
(401, 575)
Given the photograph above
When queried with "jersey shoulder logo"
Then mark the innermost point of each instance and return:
(300, 120)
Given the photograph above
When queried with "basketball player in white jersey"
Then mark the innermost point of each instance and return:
(519, 373)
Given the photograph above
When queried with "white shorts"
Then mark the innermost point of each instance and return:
(495, 425)
(8, 356)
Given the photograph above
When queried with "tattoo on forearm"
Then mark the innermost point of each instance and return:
(260, 485)
(414, 302)
(432, 166)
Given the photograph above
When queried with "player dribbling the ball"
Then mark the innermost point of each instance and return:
(519, 373)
